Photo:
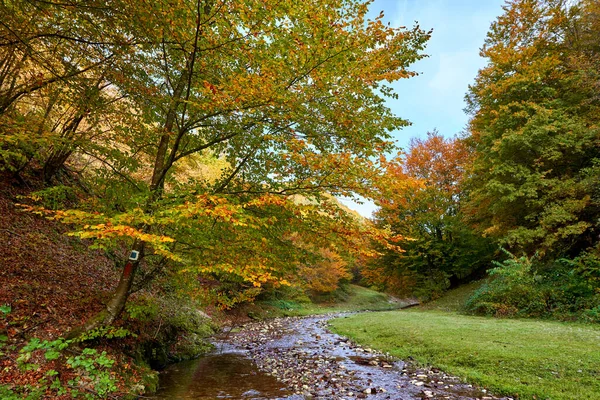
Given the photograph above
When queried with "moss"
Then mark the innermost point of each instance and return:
(189, 347)
(150, 381)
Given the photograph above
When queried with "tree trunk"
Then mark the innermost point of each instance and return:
(116, 305)
(54, 163)
(118, 300)
(161, 166)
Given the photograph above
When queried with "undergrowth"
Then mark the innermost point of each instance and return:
(525, 287)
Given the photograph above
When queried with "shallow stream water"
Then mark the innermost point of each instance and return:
(219, 376)
(298, 358)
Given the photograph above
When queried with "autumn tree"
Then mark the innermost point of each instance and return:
(422, 201)
(287, 93)
(42, 43)
(535, 128)
(535, 178)
(52, 58)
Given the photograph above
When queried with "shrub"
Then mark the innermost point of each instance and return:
(524, 287)
(55, 197)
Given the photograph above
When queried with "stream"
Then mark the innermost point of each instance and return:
(298, 358)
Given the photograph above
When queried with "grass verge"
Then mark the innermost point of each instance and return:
(355, 298)
(453, 300)
(528, 359)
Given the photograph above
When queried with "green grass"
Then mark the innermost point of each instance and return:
(455, 299)
(356, 298)
(524, 358)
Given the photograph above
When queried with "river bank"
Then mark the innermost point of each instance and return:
(528, 359)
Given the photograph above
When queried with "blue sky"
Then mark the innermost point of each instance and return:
(435, 98)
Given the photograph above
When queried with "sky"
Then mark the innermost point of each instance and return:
(435, 98)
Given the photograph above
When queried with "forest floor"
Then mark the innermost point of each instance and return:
(50, 283)
(528, 359)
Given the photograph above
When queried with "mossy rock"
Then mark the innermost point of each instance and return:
(189, 347)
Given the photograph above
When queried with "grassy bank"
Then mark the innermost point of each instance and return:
(454, 300)
(352, 298)
(522, 358)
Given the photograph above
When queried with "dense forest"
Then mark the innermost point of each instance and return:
(524, 176)
(193, 152)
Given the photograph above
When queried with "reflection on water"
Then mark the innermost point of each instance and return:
(218, 376)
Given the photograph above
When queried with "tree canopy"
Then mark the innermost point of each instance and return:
(534, 181)
(535, 128)
(286, 98)
(422, 200)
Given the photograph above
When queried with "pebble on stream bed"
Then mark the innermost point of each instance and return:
(316, 364)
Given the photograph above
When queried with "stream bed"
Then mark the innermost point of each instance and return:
(298, 358)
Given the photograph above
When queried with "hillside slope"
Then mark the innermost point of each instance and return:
(51, 282)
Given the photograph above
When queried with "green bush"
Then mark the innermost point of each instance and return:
(94, 372)
(524, 287)
(284, 304)
(285, 297)
(55, 197)
(431, 286)
(592, 315)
